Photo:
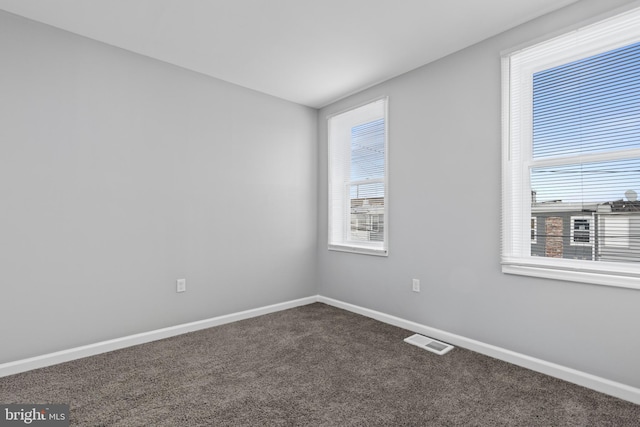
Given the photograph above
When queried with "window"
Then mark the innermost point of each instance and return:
(534, 230)
(581, 231)
(358, 179)
(571, 145)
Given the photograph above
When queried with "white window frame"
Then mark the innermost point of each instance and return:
(589, 220)
(518, 67)
(338, 222)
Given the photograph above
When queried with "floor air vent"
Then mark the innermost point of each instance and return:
(430, 344)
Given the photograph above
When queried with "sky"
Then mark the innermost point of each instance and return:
(367, 158)
(584, 107)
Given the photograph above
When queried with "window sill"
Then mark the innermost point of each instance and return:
(359, 250)
(595, 278)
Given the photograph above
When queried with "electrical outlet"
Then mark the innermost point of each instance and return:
(181, 285)
(416, 285)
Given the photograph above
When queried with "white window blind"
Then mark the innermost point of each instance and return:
(571, 155)
(358, 179)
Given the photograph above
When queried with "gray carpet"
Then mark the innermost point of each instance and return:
(313, 365)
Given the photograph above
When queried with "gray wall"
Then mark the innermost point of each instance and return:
(120, 174)
(445, 201)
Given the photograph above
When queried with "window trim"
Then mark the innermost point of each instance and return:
(516, 256)
(347, 245)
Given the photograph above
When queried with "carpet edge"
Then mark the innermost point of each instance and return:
(593, 382)
(49, 359)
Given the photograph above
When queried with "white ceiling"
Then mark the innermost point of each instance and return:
(309, 52)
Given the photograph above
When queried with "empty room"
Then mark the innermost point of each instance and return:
(295, 212)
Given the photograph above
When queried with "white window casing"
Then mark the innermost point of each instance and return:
(603, 165)
(358, 179)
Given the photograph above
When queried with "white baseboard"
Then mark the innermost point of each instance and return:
(593, 382)
(24, 365)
